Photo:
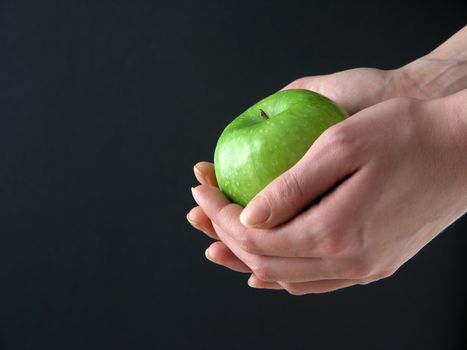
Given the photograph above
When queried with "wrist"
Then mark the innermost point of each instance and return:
(453, 108)
(431, 77)
(440, 73)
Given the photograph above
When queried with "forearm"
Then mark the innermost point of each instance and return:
(440, 73)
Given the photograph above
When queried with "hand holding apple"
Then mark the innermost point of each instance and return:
(350, 89)
(268, 138)
(440, 73)
(386, 195)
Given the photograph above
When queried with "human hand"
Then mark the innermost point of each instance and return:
(441, 72)
(354, 208)
(353, 89)
(437, 74)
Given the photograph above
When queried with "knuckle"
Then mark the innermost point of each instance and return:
(333, 242)
(247, 243)
(333, 246)
(262, 270)
(340, 138)
(385, 273)
(295, 290)
(334, 237)
(360, 271)
(225, 215)
(366, 281)
(299, 83)
(289, 189)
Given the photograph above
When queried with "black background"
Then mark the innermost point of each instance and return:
(104, 108)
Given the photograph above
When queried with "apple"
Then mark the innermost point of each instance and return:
(269, 138)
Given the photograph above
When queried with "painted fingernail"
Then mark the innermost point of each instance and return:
(256, 212)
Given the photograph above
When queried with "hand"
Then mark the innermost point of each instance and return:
(353, 89)
(440, 73)
(369, 194)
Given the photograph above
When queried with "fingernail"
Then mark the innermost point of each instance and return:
(251, 282)
(195, 224)
(191, 221)
(256, 212)
(193, 192)
(208, 256)
(198, 174)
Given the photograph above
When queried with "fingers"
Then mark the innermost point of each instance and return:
(201, 221)
(288, 270)
(205, 174)
(317, 286)
(291, 270)
(217, 206)
(297, 276)
(304, 236)
(302, 288)
(250, 245)
(255, 282)
(283, 241)
(220, 254)
(274, 254)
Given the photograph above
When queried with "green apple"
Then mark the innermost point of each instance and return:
(269, 138)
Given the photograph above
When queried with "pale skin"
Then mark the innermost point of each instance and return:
(368, 195)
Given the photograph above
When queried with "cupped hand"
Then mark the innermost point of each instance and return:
(401, 166)
(367, 196)
(353, 89)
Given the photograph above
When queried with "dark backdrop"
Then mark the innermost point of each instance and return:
(104, 108)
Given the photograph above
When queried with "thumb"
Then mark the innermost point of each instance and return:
(325, 164)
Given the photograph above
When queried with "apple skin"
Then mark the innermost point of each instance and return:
(269, 138)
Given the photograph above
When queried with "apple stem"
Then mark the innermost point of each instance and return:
(264, 115)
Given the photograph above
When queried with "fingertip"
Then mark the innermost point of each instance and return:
(208, 172)
(190, 217)
(198, 174)
(208, 194)
(256, 213)
(193, 218)
(255, 282)
(252, 281)
(195, 191)
(220, 254)
(208, 255)
(216, 252)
